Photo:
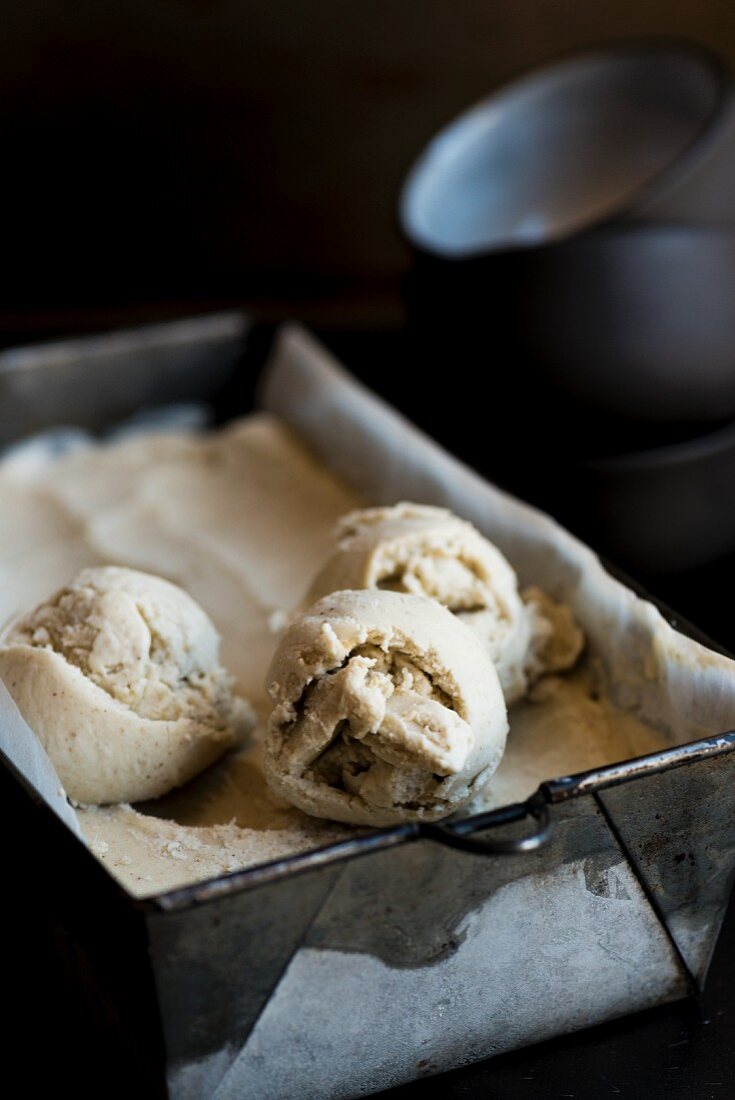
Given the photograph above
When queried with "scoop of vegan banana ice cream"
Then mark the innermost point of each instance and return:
(118, 675)
(431, 552)
(386, 708)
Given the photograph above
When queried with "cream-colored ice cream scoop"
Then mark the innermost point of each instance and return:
(431, 552)
(118, 675)
(386, 708)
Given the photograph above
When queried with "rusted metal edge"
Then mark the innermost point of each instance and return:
(126, 341)
(458, 834)
(455, 833)
(572, 786)
(263, 873)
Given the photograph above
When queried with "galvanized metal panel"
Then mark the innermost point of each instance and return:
(679, 828)
(93, 381)
(423, 958)
(673, 813)
(216, 965)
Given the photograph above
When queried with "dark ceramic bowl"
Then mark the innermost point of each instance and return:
(667, 509)
(636, 129)
(637, 321)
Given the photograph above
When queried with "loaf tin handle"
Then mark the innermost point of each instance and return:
(458, 834)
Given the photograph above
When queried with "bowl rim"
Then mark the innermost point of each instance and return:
(706, 445)
(659, 182)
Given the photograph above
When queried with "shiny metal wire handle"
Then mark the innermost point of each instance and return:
(458, 834)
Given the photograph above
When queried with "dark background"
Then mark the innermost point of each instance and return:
(163, 151)
(163, 157)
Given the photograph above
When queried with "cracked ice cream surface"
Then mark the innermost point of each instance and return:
(118, 673)
(429, 551)
(385, 708)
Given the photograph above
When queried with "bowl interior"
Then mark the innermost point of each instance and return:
(558, 150)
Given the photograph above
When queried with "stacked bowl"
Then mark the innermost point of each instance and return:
(574, 238)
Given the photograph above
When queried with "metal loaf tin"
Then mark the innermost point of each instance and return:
(397, 954)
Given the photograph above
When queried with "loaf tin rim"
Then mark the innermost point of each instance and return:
(229, 883)
(552, 790)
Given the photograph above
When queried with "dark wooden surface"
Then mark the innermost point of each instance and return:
(185, 146)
